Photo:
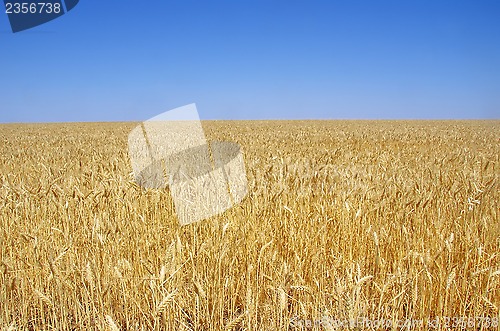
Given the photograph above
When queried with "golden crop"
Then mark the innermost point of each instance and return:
(386, 220)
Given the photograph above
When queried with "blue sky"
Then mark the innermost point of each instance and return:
(255, 59)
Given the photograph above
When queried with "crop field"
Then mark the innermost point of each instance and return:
(362, 225)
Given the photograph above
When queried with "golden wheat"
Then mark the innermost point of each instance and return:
(391, 220)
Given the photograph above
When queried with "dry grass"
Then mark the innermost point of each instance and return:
(383, 220)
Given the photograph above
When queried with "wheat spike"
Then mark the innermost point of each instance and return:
(163, 273)
(111, 324)
(53, 268)
(89, 276)
(11, 327)
(45, 299)
(489, 303)
(231, 325)
(199, 289)
(363, 280)
(282, 299)
(164, 303)
(450, 279)
(262, 251)
(375, 238)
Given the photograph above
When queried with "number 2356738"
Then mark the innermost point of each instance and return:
(32, 8)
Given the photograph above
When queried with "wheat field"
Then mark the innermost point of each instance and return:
(344, 221)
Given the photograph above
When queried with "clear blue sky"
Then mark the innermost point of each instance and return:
(255, 59)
